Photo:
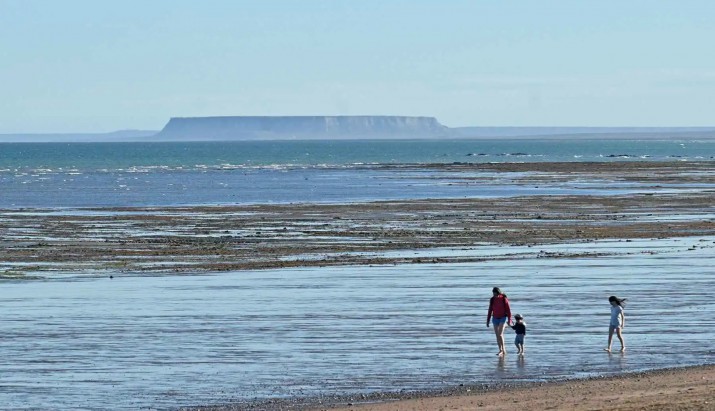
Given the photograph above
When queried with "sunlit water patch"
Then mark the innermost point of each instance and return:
(313, 185)
(166, 341)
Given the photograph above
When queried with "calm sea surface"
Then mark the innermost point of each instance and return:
(163, 342)
(145, 174)
(167, 341)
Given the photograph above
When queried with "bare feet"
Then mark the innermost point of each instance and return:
(623, 349)
(607, 349)
(500, 354)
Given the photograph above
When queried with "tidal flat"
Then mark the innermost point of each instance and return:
(289, 306)
(588, 202)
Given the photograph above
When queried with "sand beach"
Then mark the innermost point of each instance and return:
(674, 389)
(668, 390)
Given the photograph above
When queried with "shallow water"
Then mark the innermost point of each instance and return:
(61, 175)
(56, 190)
(167, 341)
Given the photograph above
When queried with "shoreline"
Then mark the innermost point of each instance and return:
(679, 388)
(663, 389)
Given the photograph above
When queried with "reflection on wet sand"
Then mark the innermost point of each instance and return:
(521, 363)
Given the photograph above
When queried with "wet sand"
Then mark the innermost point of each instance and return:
(672, 200)
(674, 389)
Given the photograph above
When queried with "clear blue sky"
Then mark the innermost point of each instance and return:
(94, 66)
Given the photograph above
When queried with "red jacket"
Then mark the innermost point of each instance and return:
(499, 307)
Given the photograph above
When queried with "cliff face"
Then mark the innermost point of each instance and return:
(300, 127)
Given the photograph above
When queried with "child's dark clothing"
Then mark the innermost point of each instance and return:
(520, 328)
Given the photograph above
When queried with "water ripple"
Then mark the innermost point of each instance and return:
(163, 342)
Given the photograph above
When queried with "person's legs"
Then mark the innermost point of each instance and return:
(519, 342)
(499, 330)
(498, 324)
(496, 334)
(620, 338)
(610, 338)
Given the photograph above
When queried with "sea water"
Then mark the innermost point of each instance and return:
(145, 174)
(167, 341)
(163, 342)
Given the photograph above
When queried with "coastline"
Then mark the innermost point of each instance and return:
(667, 389)
(369, 267)
(682, 388)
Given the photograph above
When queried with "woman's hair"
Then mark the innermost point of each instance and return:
(619, 301)
(497, 291)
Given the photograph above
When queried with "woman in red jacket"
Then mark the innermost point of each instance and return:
(499, 308)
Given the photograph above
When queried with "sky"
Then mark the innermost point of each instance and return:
(98, 66)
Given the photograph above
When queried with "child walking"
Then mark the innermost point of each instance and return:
(618, 321)
(520, 328)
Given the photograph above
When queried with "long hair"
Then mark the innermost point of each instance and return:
(497, 291)
(618, 301)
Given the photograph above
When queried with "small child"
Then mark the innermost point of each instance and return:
(520, 328)
(618, 321)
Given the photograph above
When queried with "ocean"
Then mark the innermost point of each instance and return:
(71, 175)
(164, 341)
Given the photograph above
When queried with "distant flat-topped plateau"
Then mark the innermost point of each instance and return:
(301, 127)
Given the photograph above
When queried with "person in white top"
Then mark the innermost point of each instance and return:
(618, 321)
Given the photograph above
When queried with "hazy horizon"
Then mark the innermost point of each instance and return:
(501, 129)
(79, 66)
(294, 134)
